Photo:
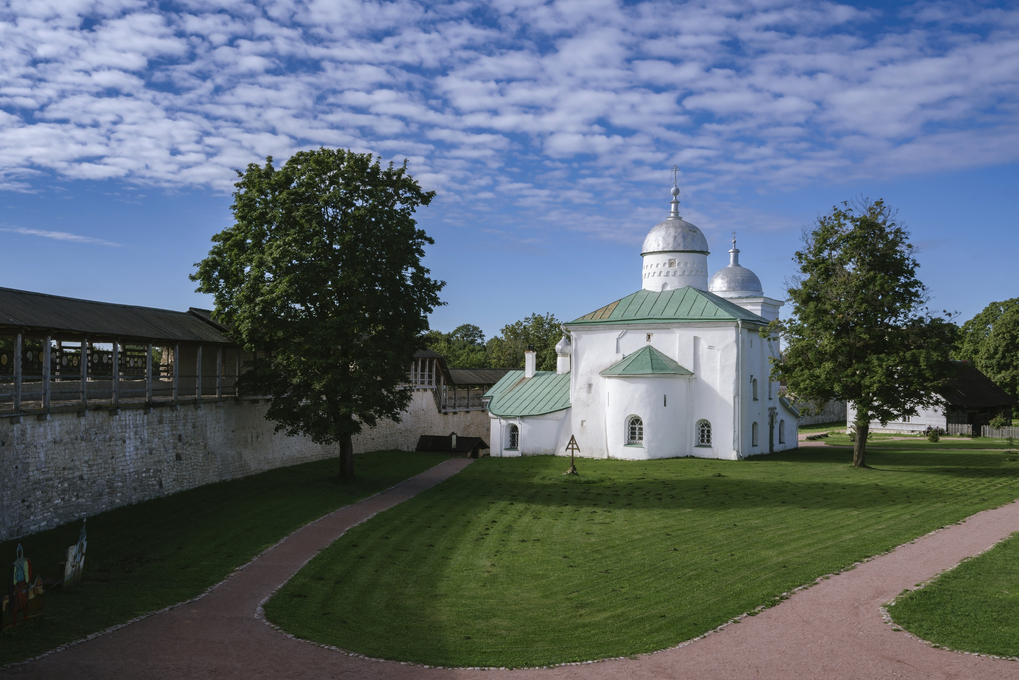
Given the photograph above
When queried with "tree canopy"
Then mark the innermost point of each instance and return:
(321, 274)
(464, 347)
(860, 329)
(507, 350)
(990, 340)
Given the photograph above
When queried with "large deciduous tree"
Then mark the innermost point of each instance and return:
(507, 350)
(860, 329)
(321, 274)
(990, 340)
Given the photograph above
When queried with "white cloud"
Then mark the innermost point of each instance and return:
(489, 94)
(58, 236)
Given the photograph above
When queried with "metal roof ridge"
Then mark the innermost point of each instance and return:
(92, 302)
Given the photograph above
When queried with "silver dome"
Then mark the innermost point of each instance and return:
(735, 279)
(675, 235)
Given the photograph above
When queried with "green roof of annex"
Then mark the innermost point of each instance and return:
(515, 395)
(686, 304)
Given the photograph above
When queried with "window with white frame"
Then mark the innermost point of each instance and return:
(753, 435)
(703, 433)
(513, 437)
(781, 432)
(634, 431)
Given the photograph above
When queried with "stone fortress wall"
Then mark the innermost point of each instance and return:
(76, 464)
(833, 411)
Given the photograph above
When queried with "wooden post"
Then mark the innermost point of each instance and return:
(46, 354)
(83, 357)
(17, 373)
(148, 373)
(198, 374)
(237, 376)
(219, 372)
(115, 397)
(176, 374)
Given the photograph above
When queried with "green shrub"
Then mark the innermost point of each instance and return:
(934, 435)
(999, 421)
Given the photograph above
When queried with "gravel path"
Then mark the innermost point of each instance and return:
(832, 630)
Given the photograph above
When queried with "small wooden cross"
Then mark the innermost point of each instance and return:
(573, 448)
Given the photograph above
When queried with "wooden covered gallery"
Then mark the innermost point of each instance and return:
(454, 389)
(64, 354)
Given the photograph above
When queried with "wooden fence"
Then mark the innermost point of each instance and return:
(999, 432)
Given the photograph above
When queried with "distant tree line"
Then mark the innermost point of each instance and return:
(465, 346)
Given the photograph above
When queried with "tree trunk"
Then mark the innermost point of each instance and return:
(346, 456)
(860, 445)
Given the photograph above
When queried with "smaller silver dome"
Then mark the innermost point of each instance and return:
(735, 280)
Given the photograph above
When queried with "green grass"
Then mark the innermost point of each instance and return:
(823, 427)
(511, 564)
(973, 608)
(907, 442)
(147, 556)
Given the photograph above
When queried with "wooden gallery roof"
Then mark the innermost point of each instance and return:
(26, 312)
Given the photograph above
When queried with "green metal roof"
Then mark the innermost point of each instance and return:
(515, 395)
(681, 304)
(646, 361)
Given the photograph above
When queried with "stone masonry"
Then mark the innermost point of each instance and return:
(71, 466)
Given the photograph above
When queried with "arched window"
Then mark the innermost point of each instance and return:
(634, 431)
(703, 433)
(770, 390)
(754, 384)
(753, 435)
(781, 432)
(514, 437)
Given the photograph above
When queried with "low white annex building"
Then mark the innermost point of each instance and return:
(675, 369)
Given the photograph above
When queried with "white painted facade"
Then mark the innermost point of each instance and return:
(728, 389)
(926, 417)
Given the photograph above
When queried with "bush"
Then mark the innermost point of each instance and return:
(852, 434)
(999, 421)
(934, 435)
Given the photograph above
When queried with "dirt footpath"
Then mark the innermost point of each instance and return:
(832, 630)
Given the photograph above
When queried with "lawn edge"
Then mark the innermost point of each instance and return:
(887, 617)
(733, 621)
(208, 590)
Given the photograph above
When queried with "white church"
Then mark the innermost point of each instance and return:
(675, 369)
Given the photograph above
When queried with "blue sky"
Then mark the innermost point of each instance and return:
(548, 130)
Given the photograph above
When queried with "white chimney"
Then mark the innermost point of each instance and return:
(530, 361)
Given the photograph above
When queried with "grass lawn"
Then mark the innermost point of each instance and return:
(510, 564)
(974, 607)
(911, 442)
(146, 556)
(838, 425)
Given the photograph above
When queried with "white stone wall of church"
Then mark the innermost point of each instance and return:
(68, 467)
(708, 350)
(538, 435)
